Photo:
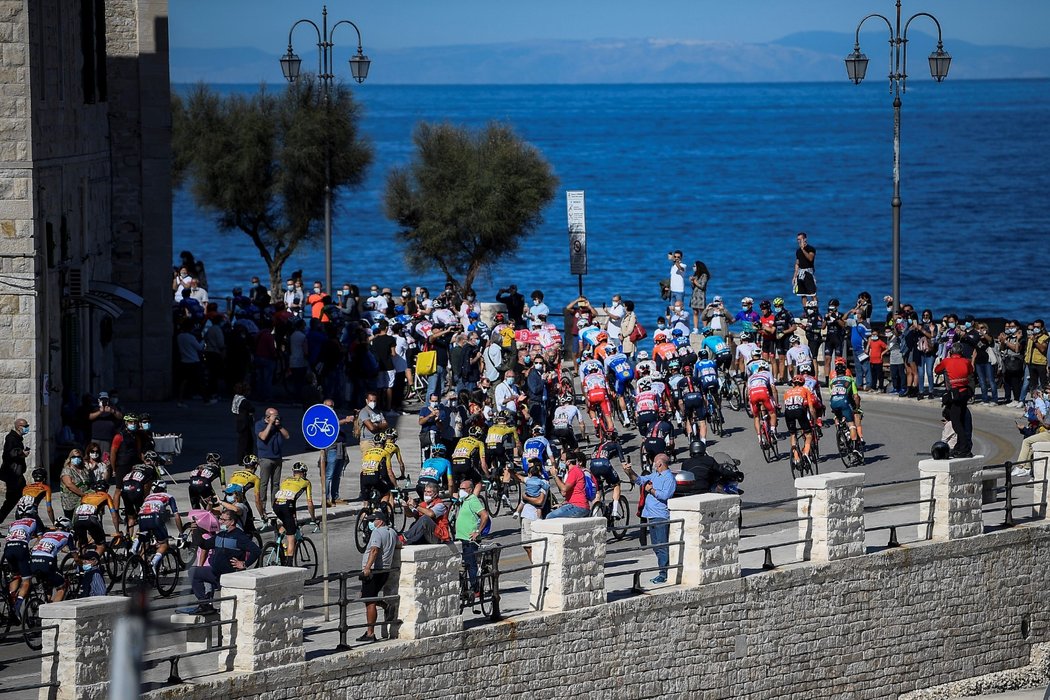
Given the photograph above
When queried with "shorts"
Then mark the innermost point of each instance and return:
(372, 482)
(620, 387)
(653, 446)
(46, 569)
(155, 525)
(834, 348)
(567, 438)
(285, 512)
(723, 361)
(372, 587)
(131, 502)
(798, 420)
(496, 452)
(805, 282)
(844, 412)
(603, 472)
(385, 379)
(16, 554)
(465, 470)
(596, 397)
(526, 529)
(645, 420)
(783, 345)
(695, 405)
(762, 400)
(199, 493)
(769, 345)
(88, 527)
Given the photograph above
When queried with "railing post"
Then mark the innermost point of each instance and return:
(268, 618)
(344, 604)
(956, 493)
(83, 641)
(575, 556)
(710, 532)
(1040, 456)
(429, 588)
(832, 516)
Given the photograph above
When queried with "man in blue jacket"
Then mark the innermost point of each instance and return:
(658, 487)
(232, 549)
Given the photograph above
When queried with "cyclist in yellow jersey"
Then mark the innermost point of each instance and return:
(502, 443)
(468, 459)
(376, 471)
(390, 444)
(284, 504)
(247, 479)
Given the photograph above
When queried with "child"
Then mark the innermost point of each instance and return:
(897, 373)
(876, 349)
(535, 486)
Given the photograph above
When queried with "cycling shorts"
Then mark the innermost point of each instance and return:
(285, 512)
(154, 523)
(466, 469)
(769, 345)
(798, 419)
(596, 396)
(567, 438)
(694, 404)
(620, 387)
(200, 492)
(653, 446)
(603, 472)
(132, 502)
(758, 399)
(46, 569)
(16, 554)
(723, 361)
(374, 482)
(89, 526)
(783, 345)
(497, 452)
(843, 412)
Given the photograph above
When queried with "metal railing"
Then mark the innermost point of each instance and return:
(389, 603)
(991, 493)
(5, 663)
(498, 573)
(928, 522)
(767, 563)
(643, 529)
(162, 626)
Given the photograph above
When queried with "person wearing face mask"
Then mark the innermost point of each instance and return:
(539, 311)
(1035, 354)
(76, 478)
(13, 465)
(375, 568)
(433, 420)
(1011, 348)
(507, 395)
(472, 520)
(293, 298)
(232, 549)
(431, 515)
(95, 463)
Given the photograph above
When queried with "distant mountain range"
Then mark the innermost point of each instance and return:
(800, 57)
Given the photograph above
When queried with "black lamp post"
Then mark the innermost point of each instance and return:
(857, 66)
(290, 65)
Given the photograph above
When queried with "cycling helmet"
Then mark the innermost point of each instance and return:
(708, 330)
(160, 485)
(697, 448)
(613, 347)
(657, 376)
(100, 485)
(642, 370)
(659, 336)
(840, 362)
(565, 400)
(250, 462)
(764, 304)
(587, 352)
(391, 435)
(779, 301)
(674, 364)
(645, 384)
(475, 431)
(437, 449)
(806, 369)
(151, 458)
(798, 380)
(503, 416)
(703, 354)
(593, 369)
(764, 365)
(747, 301)
(537, 429)
(795, 340)
(747, 336)
(643, 355)
(39, 474)
(601, 337)
(499, 317)
(940, 450)
(677, 333)
(299, 468)
(26, 510)
(377, 438)
(213, 458)
(62, 523)
(756, 354)
(439, 303)
(481, 328)
(131, 418)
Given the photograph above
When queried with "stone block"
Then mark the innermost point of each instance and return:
(428, 586)
(832, 517)
(574, 552)
(267, 607)
(955, 488)
(83, 640)
(711, 536)
(1041, 458)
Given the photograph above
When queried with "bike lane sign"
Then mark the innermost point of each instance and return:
(320, 426)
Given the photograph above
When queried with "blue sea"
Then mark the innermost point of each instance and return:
(728, 174)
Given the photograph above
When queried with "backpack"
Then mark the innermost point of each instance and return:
(590, 486)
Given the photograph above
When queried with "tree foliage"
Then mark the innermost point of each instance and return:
(467, 199)
(258, 161)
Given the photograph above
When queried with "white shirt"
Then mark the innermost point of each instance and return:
(400, 354)
(535, 312)
(799, 355)
(184, 283)
(493, 358)
(679, 320)
(616, 313)
(744, 350)
(200, 294)
(292, 298)
(677, 279)
(505, 397)
(445, 316)
(566, 416)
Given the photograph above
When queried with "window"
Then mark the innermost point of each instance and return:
(93, 50)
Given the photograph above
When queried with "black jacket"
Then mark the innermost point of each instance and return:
(14, 459)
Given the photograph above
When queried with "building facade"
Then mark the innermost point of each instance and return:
(85, 209)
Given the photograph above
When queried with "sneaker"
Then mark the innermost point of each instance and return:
(1021, 473)
(658, 580)
(367, 638)
(516, 515)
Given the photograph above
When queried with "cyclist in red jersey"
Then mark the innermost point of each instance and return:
(597, 393)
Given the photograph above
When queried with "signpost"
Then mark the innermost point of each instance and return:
(577, 235)
(321, 431)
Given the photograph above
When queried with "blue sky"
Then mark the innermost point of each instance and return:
(391, 24)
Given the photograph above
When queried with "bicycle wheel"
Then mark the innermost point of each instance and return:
(306, 557)
(619, 530)
(732, 394)
(259, 543)
(361, 531)
(845, 447)
(167, 574)
(766, 443)
(512, 492)
(271, 555)
(398, 517)
(486, 588)
(7, 614)
(31, 619)
(134, 575)
(494, 494)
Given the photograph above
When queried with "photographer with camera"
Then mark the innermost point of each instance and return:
(269, 446)
(834, 337)
(106, 420)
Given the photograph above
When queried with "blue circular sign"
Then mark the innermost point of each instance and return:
(320, 426)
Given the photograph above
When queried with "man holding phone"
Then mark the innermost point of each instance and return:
(676, 279)
(804, 281)
(270, 449)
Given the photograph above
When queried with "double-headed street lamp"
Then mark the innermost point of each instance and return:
(290, 65)
(857, 66)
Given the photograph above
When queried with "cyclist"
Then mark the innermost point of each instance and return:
(745, 351)
(20, 536)
(767, 330)
(468, 459)
(501, 441)
(644, 366)
(601, 346)
(136, 486)
(659, 438)
(88, 516)
(567, 419)
(845, 404)
(693, 403)
(597, 393)
(762, 393)
(602, 470)
(247, 479)
(435, 470)
(390, 444)
(707, 376)
(537, 447)
(43, 558)
(783, 331)
(758, 363)
(663, 349)
(808, 373)
(717, 349)
(153, 518)
(647, 404)
(33, 494)
(284, 506)
(800, 412)
(202, 478)
(376, 473)
(619, 373)
(674, 381)
(798, 356)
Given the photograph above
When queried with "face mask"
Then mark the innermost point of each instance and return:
(224, 527)
(77, 461)
(87, 568)
(317, 290)
(95, 455)
(463, 493)
(427, 498)
(230, 498)
(372, 405)
(371, 526)
(951, 324)
(291, 287)
(133, 427)
(968, 324)
(433, 404)
(889, 307)
(145, 426)
(539, 367)
(779, 308)
(1038, 329)
(661, 326)
(1011, 331)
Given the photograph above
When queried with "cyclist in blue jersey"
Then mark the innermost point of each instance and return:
(620, 373)
(707, 375)
(435, 470)
(717, 348)
(537, 447)
(747, 314)
(679, 339)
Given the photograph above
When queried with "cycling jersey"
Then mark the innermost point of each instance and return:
(647, 402)
(594, 388)
(204, 475)
(587, 366)
(760, 393)
(373, 462)
(565, 416)
(589, 335)
(756, 366)
(50, 544)
(290, 491)
(93, 504)
(246, 479)
(392, 450)
(158, 505)
(707, 371)
(843, 392)
(501, 437)
(21, 531)
(16, 551)
(32, 495)
(678, 385)
(716, 346)
(536, 447)
(466, 459)
(814, 386)
(620, 368)
(664, 352)
(798, 398)
(799, 355)
(434, 470)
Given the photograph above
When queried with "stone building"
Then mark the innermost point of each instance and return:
(85, 208)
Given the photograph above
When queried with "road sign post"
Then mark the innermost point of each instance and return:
(321, 431)
(574, 201)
